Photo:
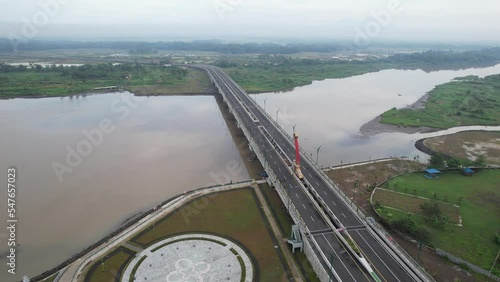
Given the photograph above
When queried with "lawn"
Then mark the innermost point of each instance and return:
(110, 267)
(233, 214)
(411, 204)
(479, 200)
(465, 101)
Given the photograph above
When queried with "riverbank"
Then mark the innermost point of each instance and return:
(464, 101)
(60, 81)
(375, 127)
(464, 145)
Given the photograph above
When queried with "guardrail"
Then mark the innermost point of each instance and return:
(318, 267)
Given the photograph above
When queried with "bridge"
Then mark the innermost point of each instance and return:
(340, 243)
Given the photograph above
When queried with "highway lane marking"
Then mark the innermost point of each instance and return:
(338, 258)
(296, 195)
(312, 218)
(317, 183)
(363, 238)
(343, 215)
(334, 203)
(325, 192)
(304, 206)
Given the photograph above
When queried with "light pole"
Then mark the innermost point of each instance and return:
(317, 153)
(294, 129)
(265, 103)
(277, 112)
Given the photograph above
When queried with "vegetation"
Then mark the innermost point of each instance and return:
(109, 268)
(234, 214)
(482, 146)
(38, 81)
(467, 101)
(284, 74)
(479, 200)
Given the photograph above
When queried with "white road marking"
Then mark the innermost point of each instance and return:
(325, 192)
(334, 203)
(338, 258)
(377, 256)
(312, 218)
(304, 206)
(296, 195)
(343, 215)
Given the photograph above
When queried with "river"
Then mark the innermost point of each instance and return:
(87, 163)
(159, 147)
(328, 114)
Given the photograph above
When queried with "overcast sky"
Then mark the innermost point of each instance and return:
(435, 20)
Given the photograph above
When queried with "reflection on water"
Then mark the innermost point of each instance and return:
(330, 112)
(161, 147)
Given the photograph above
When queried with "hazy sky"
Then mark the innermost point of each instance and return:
(437, 20)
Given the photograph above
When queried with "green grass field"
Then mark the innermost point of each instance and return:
(150, 80)
(479, 198)
(469, 101)
(256, 79)
(233, 214)
(411, 204)
(110, 267)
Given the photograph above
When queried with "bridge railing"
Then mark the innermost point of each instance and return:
(318, 267)
(403, 255)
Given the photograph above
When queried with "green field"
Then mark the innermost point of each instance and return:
(233, 214)
(140, 79)
(110, 267)
(467, 101)
(479, 200)
(255, 79)
(411, 204)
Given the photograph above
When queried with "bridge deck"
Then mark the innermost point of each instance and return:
(278, 151)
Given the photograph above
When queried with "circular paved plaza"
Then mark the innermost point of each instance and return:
(193, 258)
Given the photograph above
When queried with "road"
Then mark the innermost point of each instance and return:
(279, 152)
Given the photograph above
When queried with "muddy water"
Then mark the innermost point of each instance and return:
(329, 113)
(135, 154)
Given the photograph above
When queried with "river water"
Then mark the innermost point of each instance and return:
(159, 147)
(330, 113)
(76, 187)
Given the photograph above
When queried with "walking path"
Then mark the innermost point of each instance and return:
(74, 272)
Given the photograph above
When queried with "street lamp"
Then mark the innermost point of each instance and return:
(294, 129)
(277, 112)
(317, 153)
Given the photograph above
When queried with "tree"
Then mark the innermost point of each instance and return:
(436, 160)
(480, 161)
(431, 211)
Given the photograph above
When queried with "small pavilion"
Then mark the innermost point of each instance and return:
(432, 173)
